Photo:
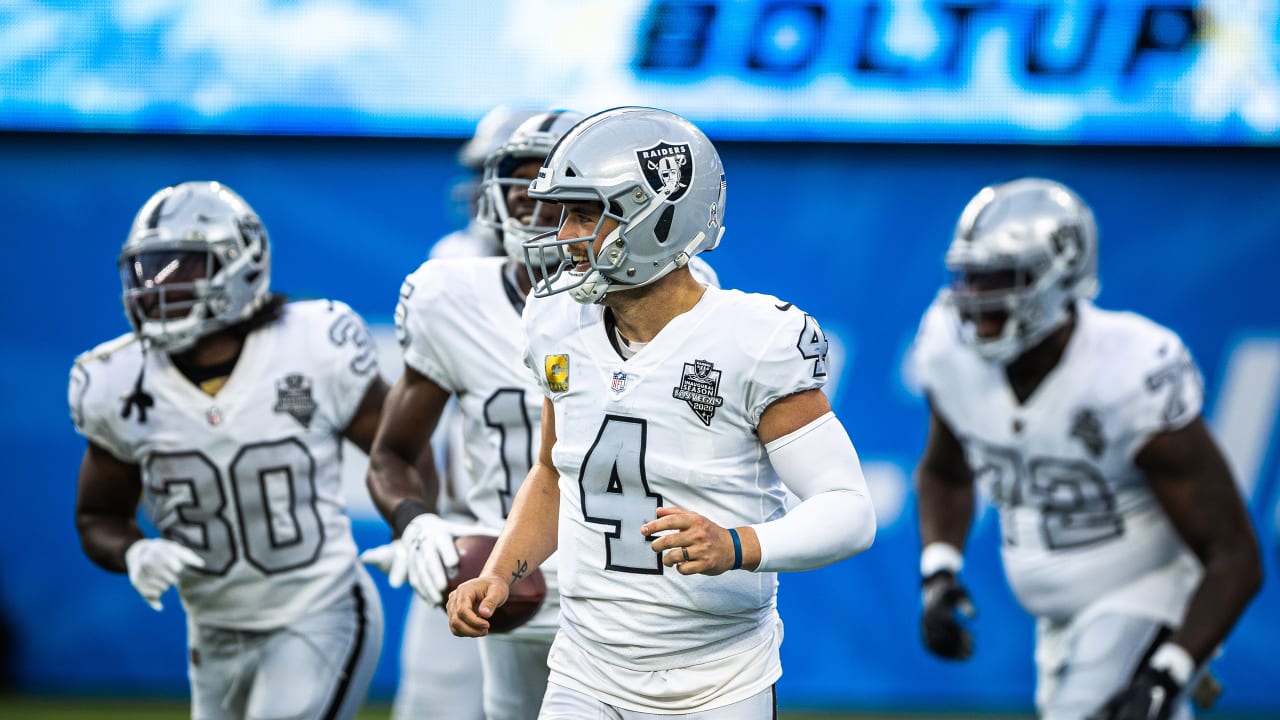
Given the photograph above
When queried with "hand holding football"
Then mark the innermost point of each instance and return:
(525, 598)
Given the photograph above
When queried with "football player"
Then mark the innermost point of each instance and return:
(458, 322)
(1123, 532)
(445, 683)
(224, 411)
(674, 416)
(478, 239)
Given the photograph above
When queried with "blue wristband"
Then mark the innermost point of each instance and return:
(737, 549)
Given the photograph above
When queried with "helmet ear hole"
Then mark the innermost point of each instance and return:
(663, 227)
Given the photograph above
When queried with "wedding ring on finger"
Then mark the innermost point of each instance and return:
(685, 550)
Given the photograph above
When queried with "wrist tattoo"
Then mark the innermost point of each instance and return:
(522, 569)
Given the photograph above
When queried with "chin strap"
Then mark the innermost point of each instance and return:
(139, 397)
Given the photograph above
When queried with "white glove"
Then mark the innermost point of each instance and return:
(424, 555)
(154, 565)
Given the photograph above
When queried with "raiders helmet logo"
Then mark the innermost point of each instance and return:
(668, 168)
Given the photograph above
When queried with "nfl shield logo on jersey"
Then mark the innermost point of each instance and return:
(619, 382)
(698, 387)
(293, 396)
(668, 168)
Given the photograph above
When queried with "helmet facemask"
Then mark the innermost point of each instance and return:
(561, 274)
(505, 207)
(1005, 312)
(653, 173)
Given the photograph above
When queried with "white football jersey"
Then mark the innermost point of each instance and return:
(458, 322)
(675, 425)
(249, 478)
(1079, 522)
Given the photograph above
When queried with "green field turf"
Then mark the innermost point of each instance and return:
(24, 708)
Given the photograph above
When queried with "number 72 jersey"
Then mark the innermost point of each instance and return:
(1078, 519)
(249, 478)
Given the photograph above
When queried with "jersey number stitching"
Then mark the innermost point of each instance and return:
(1077, 507)
(274, 501)
(505, 412)
(813, 345)
(615, 492)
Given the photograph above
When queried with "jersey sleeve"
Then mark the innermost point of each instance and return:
(1167, 390)
(353, 361)
(538, 366)
(792, 360)
(95, 417)
(921, 370)
(418, 328)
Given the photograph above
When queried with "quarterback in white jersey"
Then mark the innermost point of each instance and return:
(675, 416)
(226, 410)
(1122, 530)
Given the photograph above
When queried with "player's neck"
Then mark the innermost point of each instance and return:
(520, 274)
(219, 348)
(1029, 369)
(641, 313)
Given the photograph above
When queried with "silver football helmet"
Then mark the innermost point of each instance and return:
(197, 260)
(653, 172)
(1023, 252)
(491, 131)
(505, 206)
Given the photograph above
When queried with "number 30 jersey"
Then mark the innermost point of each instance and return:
(672, 426)
(248, 478)
(1079, 523)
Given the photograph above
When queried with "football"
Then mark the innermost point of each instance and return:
(526, 596)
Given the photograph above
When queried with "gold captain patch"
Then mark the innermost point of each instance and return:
(557, 372)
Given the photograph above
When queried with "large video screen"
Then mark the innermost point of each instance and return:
(1022, 71)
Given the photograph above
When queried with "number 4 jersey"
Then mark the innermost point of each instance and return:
(672, 426)
(248, 478)
(1081, 527)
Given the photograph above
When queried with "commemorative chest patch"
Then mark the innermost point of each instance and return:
(556, 368)
(293, 396)
(699, 385)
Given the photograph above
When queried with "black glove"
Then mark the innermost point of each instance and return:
(944, 599)
(1150, 696)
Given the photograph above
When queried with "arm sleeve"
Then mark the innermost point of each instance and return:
(835, 518)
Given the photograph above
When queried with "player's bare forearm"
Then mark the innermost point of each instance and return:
(401, 464)
(106, 503)
(944, 486)
(104, 539)
(1229, 583)
(946, 509)
(1193, 483)
(529, 536)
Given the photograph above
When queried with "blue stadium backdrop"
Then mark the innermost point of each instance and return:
(853, 234)
(852, 132)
